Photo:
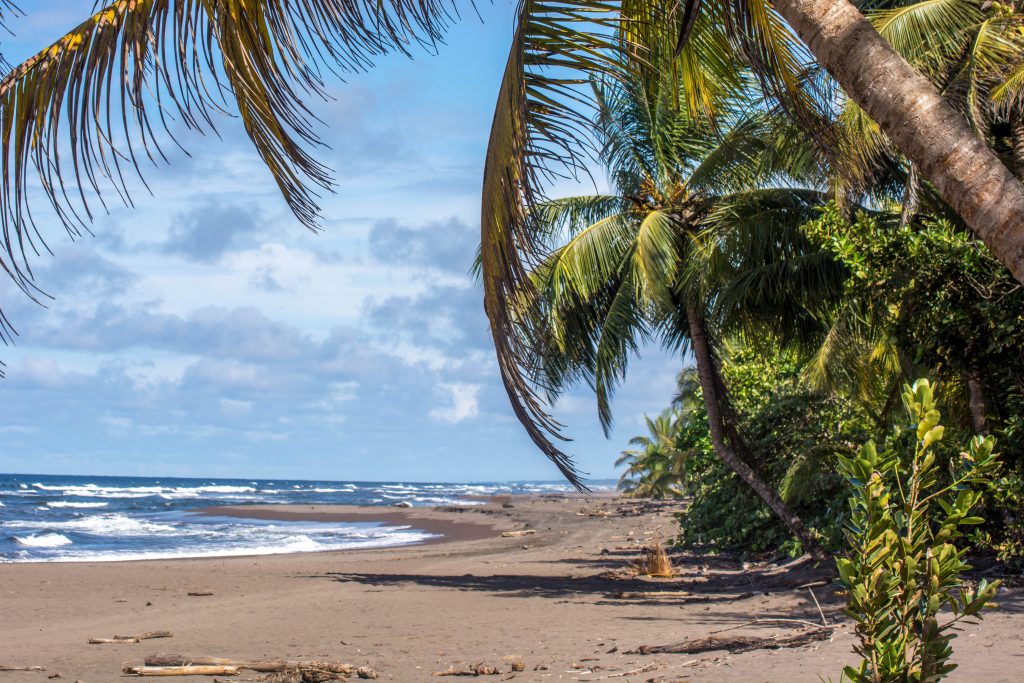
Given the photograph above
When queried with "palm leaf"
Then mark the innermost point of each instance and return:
(538, 132)
(91, 108)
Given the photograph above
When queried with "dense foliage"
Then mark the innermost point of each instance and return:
(797, 434)
(903, 570)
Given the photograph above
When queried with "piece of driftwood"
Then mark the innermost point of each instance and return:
(652, 595)
(262, 667)
(22, 668)
(289, 670)
(473, 670)
(199, 594)
(193, 670)
(736, 644)
(519, 533)
(148, 635)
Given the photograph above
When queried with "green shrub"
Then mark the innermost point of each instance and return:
(904, 567)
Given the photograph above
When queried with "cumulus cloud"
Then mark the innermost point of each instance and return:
(463, 406)
(446, 316)
(207, 232)
(449, 245)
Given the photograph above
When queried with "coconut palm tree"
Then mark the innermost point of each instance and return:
(657, 467)
(93, 107)
(618, 275)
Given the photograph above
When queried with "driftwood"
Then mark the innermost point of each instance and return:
(148, 635)
(736, 644)
(473, 670)
(519, 533)
(199, 594)
(22, 668)
(194, 670)
(652, 595)
(284, 671)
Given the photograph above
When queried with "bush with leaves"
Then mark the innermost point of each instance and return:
(902, 572)
(796, 433)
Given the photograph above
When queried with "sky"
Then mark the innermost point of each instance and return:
(206, 333)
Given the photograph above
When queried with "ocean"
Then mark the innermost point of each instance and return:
(48, 518)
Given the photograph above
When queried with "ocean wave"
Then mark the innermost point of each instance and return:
(47, 540)
(110, 524)
(66, 504)
(294, 543)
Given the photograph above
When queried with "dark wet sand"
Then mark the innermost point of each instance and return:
(447, 526)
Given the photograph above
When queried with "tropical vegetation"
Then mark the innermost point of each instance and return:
(813, 201)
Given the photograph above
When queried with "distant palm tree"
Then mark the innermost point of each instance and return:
(657, 469)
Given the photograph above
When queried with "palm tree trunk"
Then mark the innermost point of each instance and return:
(926, 128)
(979, 410)
(716, 427)
(1017, 140)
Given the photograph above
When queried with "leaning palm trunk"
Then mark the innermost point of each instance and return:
(926, 128)
(716, 427)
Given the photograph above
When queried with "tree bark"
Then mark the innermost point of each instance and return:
(979, 411)
(713, 401)
(926, 128)
(1017, 142)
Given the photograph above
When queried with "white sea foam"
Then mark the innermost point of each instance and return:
(48, 540)
(110, 524)
(67, 504)
(294, 543)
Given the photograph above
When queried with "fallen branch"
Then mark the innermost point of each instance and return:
(279, 670)
(771, 620)
(148, 635)
(180, 670)
(22, 668)
(164, 659)
(518, 533)
(737, 644)
(641, 670)
(651, 595)
(473, 670)
(199, 594)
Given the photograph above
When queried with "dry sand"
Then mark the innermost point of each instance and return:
(554, 600)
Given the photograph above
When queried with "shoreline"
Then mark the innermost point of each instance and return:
(561, 601)
(436, 520)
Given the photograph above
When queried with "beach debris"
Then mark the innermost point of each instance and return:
(148, 635)
(654, 561)
(22, 668)
(622, 595)
(737, 644)
(518, 533)
(642, 670)
(192, 670)
(199, 594)
(473, 670)
(282, 670)
(515, 662)
(402, 504)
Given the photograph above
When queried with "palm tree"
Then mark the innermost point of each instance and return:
(619, 277)
(657, 468)
(539, 129)
(99, 96)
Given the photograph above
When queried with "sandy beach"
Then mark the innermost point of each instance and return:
(558, 600)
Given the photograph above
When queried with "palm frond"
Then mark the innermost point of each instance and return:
(538, 131)
(90, 110)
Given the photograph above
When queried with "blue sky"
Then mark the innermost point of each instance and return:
(206, 333)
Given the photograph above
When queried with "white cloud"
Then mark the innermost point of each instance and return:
(463, 403)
